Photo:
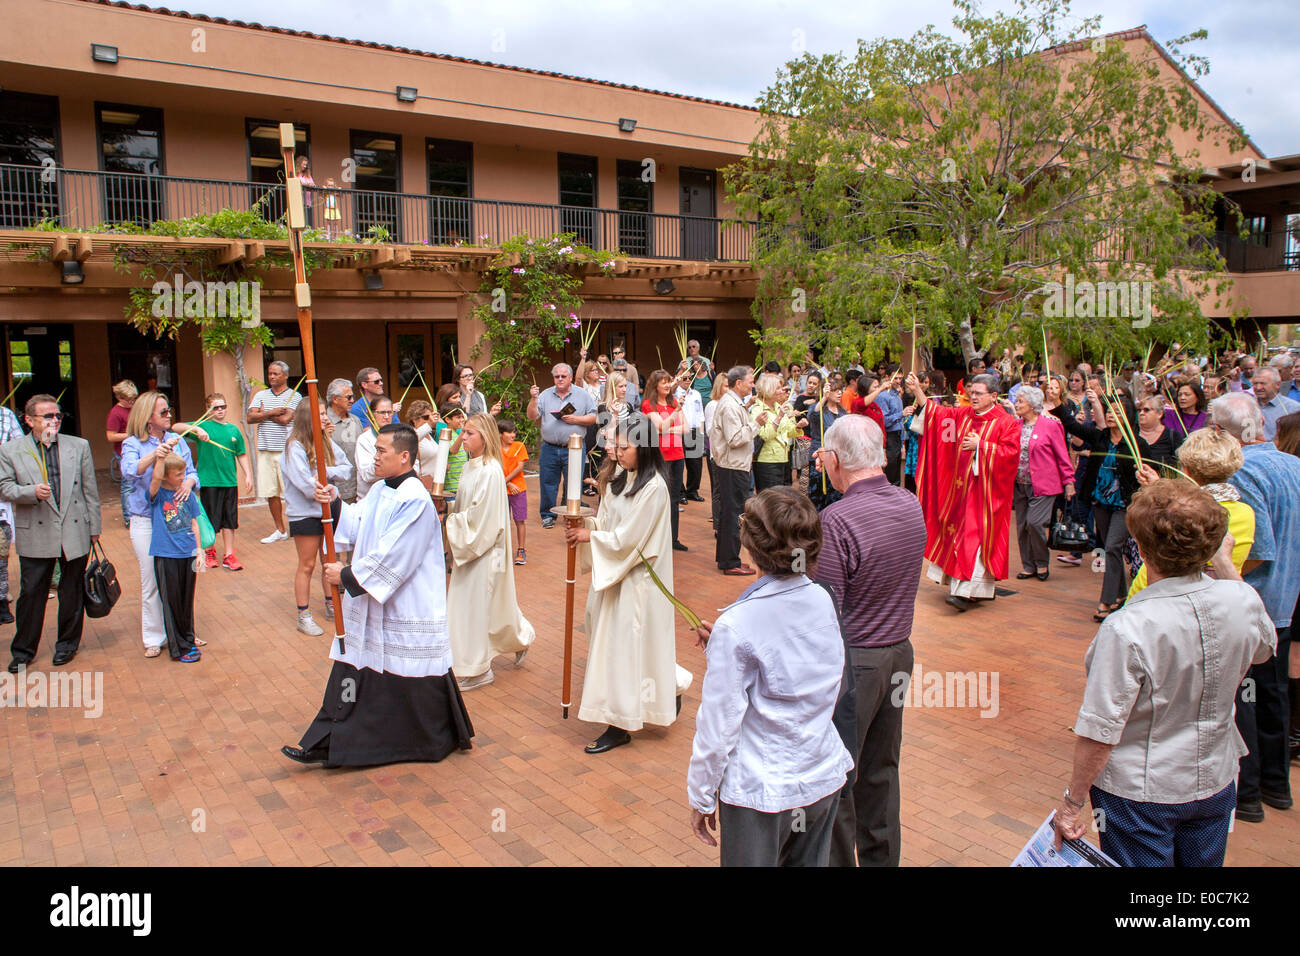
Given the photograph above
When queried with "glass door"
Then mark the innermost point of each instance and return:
(40, 361)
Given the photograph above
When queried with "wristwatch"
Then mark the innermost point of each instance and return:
(1077, 804)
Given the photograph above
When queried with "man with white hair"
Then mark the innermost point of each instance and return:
(1272, 405)
(272, 412)
(561, 410)
(1268, 481)
(873, 543)
(1285, 365)
(347, 429)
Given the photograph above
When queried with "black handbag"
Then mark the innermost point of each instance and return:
(102, 589)
(1068, 535)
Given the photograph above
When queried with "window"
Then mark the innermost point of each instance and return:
(578, 196)
(286, 347)
(635, 199)
(1255, 229)
(266, 165)
(131, 149)
(379, 171)
(451, 168)
(29, 136)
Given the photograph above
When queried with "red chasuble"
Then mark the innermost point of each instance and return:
(965, 513)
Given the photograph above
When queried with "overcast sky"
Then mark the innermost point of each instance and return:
(730, 49)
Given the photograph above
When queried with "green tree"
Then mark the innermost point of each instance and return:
(943, 181)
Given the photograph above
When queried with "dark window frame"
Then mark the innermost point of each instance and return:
(155, 201)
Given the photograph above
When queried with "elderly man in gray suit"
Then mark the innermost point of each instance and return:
(50, 478)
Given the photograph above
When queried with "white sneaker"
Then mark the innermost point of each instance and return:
(275, 536)
(308, 625)
(470, 683)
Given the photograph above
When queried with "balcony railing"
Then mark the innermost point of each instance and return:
(1275, 251)
(83, 199)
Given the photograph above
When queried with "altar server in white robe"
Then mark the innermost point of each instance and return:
(481, 606)
(632, 676)
(391, 696)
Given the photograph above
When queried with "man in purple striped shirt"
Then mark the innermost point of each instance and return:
(873, 543)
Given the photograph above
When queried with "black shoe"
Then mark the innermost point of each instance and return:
(6, 616)
(678, 546)
(694, 497)
(1278, 801)
(1026, 575)
(611, 738)
(1250, 811)
(315, 755)
(63, 657)
(548, 522)
(1043, 575)
(16, 665)
(960, 603)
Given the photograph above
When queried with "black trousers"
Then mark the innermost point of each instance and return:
(675, 470)
(893, 455)
(799, 837)
(1262, 722)
(769, 474)
(867, 819)
(694, 467)
(715, 497)
(35, 575)
(733, 489)
(176, 592)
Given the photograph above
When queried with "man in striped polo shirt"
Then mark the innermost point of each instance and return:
(272, 412)
(873, 541)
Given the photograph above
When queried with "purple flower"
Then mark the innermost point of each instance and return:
(566, 340)
(517, 271)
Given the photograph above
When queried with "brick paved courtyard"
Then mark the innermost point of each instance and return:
(183, 767)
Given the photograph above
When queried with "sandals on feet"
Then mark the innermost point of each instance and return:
(152, 651)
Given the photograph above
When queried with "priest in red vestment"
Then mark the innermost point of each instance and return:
(965, 477)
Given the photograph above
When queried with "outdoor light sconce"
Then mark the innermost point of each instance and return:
(626, 125)
(664, 286)
(73, 274)
(103, 53)
(407, 94)
(374, 281)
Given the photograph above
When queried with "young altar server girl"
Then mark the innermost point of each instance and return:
(483, 616)
(632, 675)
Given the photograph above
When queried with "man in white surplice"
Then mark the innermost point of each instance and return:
(391, 695)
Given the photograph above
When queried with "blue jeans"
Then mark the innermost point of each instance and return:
(552, 469)
(1166, 834)
(124, 489)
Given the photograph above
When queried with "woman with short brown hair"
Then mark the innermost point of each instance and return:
(766, 746)
(1157, 747)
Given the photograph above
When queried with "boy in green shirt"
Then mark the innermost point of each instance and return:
(215, 461)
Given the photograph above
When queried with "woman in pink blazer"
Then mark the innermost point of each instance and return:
(1045, 472)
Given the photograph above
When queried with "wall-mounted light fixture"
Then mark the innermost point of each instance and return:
(374, 281)
(103, 53)
(626, 125)
(664, 286)
(407, 94)
(73, 274)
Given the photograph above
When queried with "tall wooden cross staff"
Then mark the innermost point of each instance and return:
(297, 221)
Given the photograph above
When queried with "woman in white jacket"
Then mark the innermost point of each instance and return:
(768, 757)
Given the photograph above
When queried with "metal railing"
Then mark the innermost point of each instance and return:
(84, 199)
(1275, 251)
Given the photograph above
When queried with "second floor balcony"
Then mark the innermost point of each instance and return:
(81, 200)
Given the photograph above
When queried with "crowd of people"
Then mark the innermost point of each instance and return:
(843, 485)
